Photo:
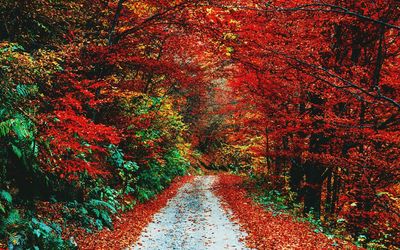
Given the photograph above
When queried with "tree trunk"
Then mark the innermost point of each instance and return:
(115, 22)
(313, 188)
(328, 200)
(336, 192)
(296, 177)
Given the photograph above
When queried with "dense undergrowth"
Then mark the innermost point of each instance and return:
(128, 225)
(280, 202)
(271, 229)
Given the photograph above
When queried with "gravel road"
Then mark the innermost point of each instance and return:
(192, 220)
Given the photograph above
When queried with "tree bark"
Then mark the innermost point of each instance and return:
(328, 200)
(114, 22)
(296, 177)
(313, 188)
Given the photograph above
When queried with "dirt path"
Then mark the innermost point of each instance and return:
(193, 219)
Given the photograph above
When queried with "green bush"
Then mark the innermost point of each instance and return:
(94, 213)
(39, 235)
(126, 170)
(25, 233)
(5, 202)
(156, 177)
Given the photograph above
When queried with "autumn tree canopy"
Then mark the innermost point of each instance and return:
(110, 100)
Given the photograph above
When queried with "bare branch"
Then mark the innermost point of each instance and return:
(152, 18)
(340, 10)
(324, 7)
(115, 21)
(378, 96)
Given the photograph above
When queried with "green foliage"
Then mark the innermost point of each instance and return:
(90, 214)
(149, 182)
(156, 177)
(278, 203)
(39, 235)
(126, 169)
(148, 134)
(97, 211)
(6, 196)
(151, 151)
(25, 233)
(5, 127)
(26, 90)
(275, 201)
(11, 223)
(101, 211)
(5, 202)
(18, 90)
(176, 164)
(107, 194)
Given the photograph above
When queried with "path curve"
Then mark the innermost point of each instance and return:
(194, 219)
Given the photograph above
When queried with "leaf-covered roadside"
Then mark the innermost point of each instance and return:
(128, 225)
(266, 230)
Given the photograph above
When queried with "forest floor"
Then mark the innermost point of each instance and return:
(193, 219)
(214, 212)
(208, 212)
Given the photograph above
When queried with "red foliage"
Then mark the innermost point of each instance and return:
(317, 85)
(71, 136)
(314, 87)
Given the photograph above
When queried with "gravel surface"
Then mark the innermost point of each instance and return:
(193, 219)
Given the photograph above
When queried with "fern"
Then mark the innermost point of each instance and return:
(17, 151)
(106, 219)
(40, 235)
(21, 127)
(5, 202)
(3, 112)
(13, 218)
(4, 195)
(41, 226)
(2, 209)
(6, 127)
(22, 90)
(100, 203)
(26, 90)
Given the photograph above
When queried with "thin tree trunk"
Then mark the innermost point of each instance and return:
(336, 192)
(296, 176)
(114, 22)
(267, 158)
(328, 200)
(313, 188)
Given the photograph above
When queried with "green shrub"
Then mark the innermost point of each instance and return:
(156, 177)
(91, 214)
(25, 233)
(126, 170)
(39, 235)
(5, 201)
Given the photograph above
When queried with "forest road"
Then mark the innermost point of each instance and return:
(193, 220)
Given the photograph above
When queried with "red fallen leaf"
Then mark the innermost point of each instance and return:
(128, 229)
(266, 231)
